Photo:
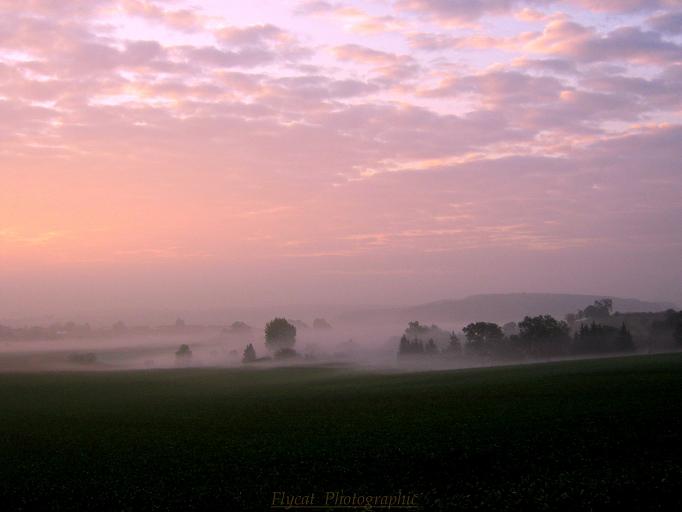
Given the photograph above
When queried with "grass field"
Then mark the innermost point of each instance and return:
(603, 434)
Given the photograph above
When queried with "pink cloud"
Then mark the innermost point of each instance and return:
(180, 19)
(457, 11)
(624, 6)
(351, 17)
(467, 11)
(254, 35)
(572, 40)
(386, 148)
(667, 22)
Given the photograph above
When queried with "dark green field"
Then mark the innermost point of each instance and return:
(598, 435)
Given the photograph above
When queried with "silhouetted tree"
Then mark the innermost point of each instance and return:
(404, 346)
(415, 330)
(599, 310)
(407, 347)
(239, 327)
(184, 351)
(543, 335)
(454, 346)
(483, 338)
(249, 354)
(280, 335)
(624, 340)
(483, 332)
(595, 338)
(670, 327)
(430, 347)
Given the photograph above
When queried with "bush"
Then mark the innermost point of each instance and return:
(184, 351)
(286, 353)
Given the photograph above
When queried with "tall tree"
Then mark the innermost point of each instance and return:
(249, 354)
(483, 338)
(544, 335)
(280, 335)
(624, 340)
(454, 346)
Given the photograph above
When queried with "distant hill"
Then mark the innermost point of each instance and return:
(498, 308)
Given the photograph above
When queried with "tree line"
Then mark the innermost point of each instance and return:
(586, 332)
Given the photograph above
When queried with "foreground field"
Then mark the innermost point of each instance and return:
(575, 435)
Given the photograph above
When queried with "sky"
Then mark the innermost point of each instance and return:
(219, 153)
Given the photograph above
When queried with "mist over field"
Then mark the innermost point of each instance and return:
(366, 339)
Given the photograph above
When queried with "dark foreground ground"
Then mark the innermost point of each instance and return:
(584, 435)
